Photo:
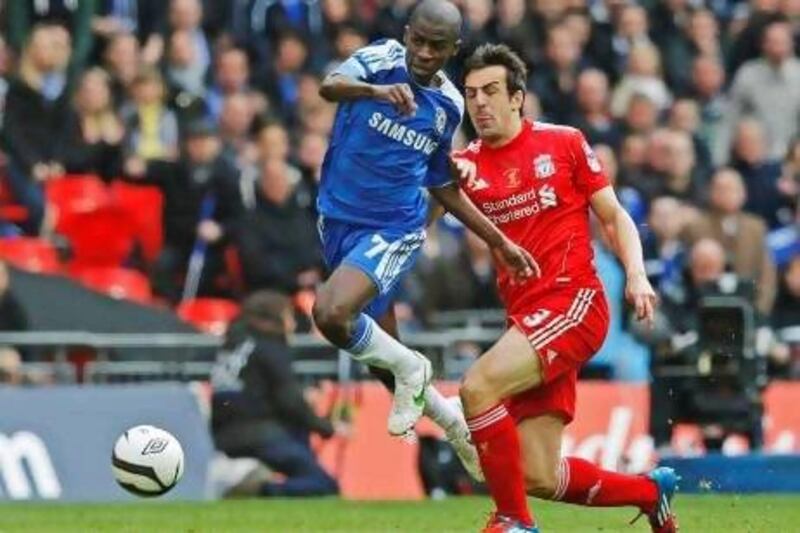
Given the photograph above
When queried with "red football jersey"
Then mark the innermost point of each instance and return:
(536, 189)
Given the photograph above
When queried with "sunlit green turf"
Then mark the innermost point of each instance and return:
(729, 514)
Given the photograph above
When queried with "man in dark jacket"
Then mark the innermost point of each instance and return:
(258, 408)
(36, 105)
(201, 201)
(277, 239)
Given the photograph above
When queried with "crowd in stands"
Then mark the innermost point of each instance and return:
(693, 107)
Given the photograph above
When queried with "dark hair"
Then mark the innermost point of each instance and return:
(488, 55)
(266, 305)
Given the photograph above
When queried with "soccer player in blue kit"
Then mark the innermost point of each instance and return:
(391, 141)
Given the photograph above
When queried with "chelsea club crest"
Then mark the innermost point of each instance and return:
(441, 120)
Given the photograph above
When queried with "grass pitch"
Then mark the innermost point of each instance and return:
(728, 514)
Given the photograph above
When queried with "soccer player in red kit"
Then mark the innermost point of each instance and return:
(538, 182)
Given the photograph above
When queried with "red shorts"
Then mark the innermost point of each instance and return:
(566, 328)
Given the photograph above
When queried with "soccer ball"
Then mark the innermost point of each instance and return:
(147, 461)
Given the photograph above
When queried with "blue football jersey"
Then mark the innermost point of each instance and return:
(379, 161)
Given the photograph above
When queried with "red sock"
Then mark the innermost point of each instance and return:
(583, 483)
(495, 436)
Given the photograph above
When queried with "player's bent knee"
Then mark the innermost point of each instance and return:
(477, 393)
(541, 486)
(332, 319)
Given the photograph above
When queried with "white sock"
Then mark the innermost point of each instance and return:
(377, 348)
(438, 409)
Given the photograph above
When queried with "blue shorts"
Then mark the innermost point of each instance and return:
(385, 255)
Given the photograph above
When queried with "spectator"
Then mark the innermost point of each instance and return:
(531, 107)
(231, 76)
(308, 98)
(273, 141)
(555, 80)
(629, 197)
(512, 25)
(310, 158)
(663, 248)
(477, 23)
(5, 70)
(282, 83)
(36, 106)
(337, 15)
(142, 19)
(580, 25)
(258, 408)
(391, 19)
(642, 76)
(185, 79)
(631, 29)
(699, 37)
(73, 17)
(760, 174)
(789, 182)
(632, 160)
(641, 116)
(671, 168)
(546, 13)
(151, 127)
(183, 71)
(185, 16)
(236, 124)
(684, 115)
(258, 25)
(768, 89)
(674, 335)
(620, 357)
(94, 132)
(786, 317)
(121, 60)
(742, 235)
(318, 118)
(10, 367)
(466, 281)
(346, 41)
(187, 184)
(749, 26)
(277, 240)
(593, 116)
(706, 89)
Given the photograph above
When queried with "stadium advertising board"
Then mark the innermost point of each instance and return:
(55, 442)
(610, 429)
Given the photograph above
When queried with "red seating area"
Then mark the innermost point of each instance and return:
(31, 254)
(143, 205)
(9, 209)
(103, 224)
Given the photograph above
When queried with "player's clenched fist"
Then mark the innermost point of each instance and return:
(399, 95)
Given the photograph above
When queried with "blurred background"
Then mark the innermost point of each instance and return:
(159, 165)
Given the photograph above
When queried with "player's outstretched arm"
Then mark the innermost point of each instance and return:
(338, 87)
(453, 199)
(638, 290)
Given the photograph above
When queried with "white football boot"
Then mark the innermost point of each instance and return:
(409, 396)
(460, 439)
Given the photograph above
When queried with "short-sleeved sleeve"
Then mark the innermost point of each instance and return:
(589, 176)
(439, 173)
(366, 62)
